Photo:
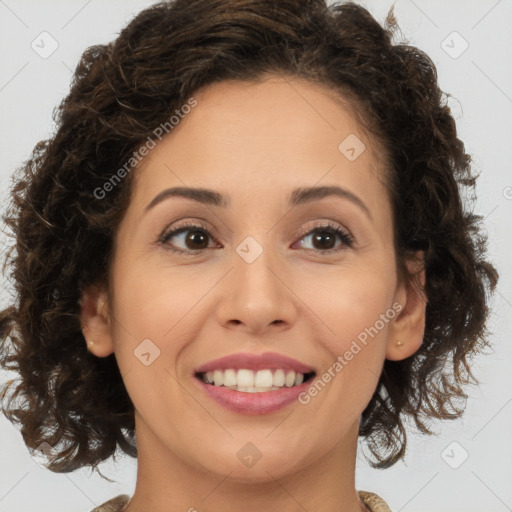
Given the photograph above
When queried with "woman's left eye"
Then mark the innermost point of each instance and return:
(195, 238)
(325, 238)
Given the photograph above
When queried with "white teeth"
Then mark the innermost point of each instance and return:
(290, 379)
(249, 381)
(263, 379)
(245, 378)
(279, 378)
(218, 378)
(229, 378)
(253, 389)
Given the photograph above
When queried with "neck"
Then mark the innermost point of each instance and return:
(167, 482)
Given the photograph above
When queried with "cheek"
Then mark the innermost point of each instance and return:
(360, 312)
(149, 331)
(144, 321)
(350, 302)
(357, 309)
(153, 303)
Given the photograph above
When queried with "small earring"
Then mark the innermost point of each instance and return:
(399, 343)
(90, 343)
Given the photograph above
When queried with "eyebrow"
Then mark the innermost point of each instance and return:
(298, 196)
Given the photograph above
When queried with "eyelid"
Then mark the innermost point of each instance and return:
(343, 233)
(188, 225)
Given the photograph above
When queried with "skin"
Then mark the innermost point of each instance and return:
(255, 143)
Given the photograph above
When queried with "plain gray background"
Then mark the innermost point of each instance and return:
(434, 475)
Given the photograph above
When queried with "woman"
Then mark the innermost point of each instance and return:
(244, 247)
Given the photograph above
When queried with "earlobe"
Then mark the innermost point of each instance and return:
(95, 320)
(408, 328)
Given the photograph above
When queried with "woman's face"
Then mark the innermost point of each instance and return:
(263, 271)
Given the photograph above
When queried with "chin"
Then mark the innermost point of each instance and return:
(250, 466)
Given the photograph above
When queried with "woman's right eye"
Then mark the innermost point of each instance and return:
(192, 238)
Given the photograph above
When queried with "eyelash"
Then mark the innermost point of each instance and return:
(344, 236)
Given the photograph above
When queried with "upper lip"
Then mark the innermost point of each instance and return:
(270, 360)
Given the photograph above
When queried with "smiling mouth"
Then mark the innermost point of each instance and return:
(249, 381)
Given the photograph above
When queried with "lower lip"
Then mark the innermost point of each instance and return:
(253, 404)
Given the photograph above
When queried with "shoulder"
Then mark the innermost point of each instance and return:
(114, 505)
(374, 502)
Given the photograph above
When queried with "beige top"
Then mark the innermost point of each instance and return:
(374, 503)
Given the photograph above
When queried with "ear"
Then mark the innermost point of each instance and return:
(95, 320)
(408, 328)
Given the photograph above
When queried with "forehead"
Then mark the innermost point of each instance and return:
(250, 138)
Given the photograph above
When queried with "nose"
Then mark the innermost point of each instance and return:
(255, 297)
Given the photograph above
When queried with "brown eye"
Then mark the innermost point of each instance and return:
(323, 239)
(196, 240)
(187, 238)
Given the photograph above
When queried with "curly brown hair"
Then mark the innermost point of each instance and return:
(63, 234)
